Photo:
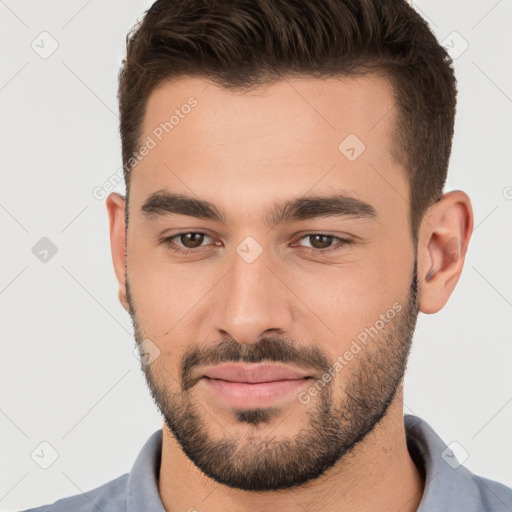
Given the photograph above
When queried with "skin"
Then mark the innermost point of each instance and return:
(243, 152)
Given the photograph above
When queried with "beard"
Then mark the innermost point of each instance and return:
(257, 462)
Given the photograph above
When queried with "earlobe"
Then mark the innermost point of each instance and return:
(444, 237)
(116, 213)
(121, 295)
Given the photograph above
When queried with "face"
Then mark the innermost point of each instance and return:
(271, 269)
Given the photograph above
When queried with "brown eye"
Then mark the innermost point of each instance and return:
(185, 243)
(191, 240)
(320, 241)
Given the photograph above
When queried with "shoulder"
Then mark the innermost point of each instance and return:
(110, 496)
(449, 484)
(495, 496)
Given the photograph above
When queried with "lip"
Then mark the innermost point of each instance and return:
(250, 385)
(254, 373)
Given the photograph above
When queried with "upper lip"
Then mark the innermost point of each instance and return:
(254, 373)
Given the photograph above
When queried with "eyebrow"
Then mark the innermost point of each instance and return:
(163, 203)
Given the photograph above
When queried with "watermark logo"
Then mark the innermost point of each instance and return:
(146, 352)
(351, 147)
(44, 250)
(44, 455)
(455, 455)
(454, 44)
(45, 45)
(249, 249)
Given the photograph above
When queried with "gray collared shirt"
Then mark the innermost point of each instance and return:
(449, 486)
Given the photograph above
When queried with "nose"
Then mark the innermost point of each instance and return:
(252, 301)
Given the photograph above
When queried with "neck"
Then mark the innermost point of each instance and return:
(378, 475)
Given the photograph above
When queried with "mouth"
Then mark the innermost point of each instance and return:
(250, 385)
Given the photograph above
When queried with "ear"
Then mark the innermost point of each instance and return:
(116, 210)
(444, 236)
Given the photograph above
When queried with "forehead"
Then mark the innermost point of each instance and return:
(305, 109)
(296, 134)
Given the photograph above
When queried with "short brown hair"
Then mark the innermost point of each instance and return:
(241, 44)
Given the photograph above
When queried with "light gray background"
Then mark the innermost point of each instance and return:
(68, 373)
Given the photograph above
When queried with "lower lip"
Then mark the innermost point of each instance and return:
(244, 395)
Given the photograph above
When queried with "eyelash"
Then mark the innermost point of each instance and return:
(169, 243)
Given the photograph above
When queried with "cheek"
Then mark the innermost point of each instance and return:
(169, 298)
(345, 301)
(159, 287)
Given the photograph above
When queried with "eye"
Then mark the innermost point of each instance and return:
(322, 242)
(190, 241)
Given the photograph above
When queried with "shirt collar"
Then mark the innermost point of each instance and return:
(448, 484)
(142, 486)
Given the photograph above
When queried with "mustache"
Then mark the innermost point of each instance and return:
(265, 350)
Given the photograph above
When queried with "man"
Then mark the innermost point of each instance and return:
(283, 225)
